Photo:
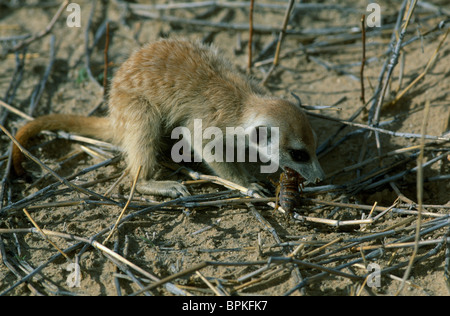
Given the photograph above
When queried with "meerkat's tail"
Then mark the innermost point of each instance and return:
(97, 127)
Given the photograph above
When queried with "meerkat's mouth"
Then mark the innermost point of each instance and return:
(302, 180)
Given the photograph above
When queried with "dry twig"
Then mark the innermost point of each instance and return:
(363, 61)
(280, 40)
(42, 33)
(250, 37)
(419, 195)
(44, 235)
(425, 71)
(392, 63)
(126, 205)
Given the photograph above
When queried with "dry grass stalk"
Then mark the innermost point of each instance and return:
(87, 58)
(42, 33)
(419, 195)
(90, 241)
(392, 63)
(363, 61)
(83, 139)
(44, 235)
(287, 14)
(447, 266)
(109, 191)
(250, 37)
(16, 111)
(212, 287)
(425, 71)
(133, 188)
(277, 269)
(380, 130)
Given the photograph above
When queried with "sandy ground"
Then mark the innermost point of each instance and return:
(167, 241)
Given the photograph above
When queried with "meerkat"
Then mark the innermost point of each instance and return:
(171, 83)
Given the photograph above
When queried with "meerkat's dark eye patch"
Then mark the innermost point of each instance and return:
(299, 155)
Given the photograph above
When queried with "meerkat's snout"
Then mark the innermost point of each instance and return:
(317, 172)
(307, 163)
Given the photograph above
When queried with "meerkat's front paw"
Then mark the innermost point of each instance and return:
(171, 189)
(259, 189)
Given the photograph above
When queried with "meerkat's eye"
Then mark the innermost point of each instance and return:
(299, 155)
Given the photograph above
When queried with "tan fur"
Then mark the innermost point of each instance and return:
(170, 83)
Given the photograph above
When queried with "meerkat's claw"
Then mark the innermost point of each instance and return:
(171, 189)
(259, 189)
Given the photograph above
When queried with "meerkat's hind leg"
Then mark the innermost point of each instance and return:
(168, 188)
(150, 181)
(142, 145)
(152, 184)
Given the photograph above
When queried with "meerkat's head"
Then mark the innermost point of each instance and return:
(297, 141)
